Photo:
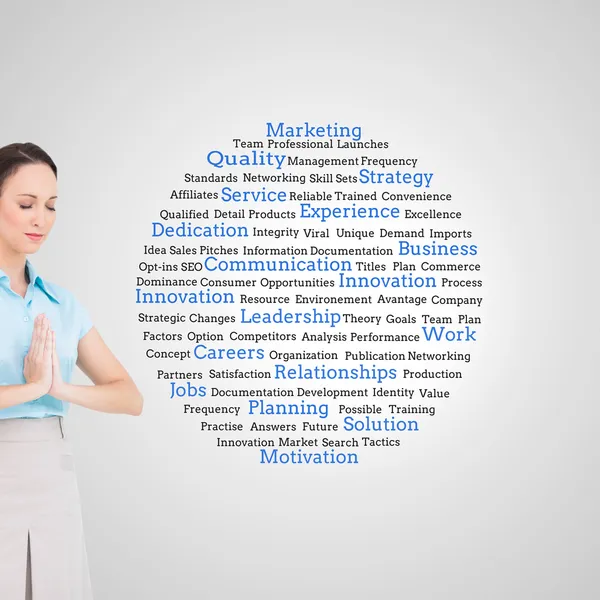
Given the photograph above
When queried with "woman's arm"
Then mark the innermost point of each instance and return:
(11, 395)
(113, 390)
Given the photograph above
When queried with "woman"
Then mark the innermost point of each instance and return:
(44, 332)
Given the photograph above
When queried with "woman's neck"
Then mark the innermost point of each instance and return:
(14, 266)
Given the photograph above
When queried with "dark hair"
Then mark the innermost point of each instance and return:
(14, 156)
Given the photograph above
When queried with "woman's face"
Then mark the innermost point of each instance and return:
(27, 208)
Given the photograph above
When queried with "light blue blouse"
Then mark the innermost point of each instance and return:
(69, 319)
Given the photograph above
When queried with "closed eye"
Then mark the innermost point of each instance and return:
(25, 207)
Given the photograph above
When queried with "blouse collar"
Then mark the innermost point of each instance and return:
(36, 279)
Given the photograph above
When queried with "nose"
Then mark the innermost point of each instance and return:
(38, 218)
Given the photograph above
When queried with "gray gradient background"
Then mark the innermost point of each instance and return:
(498, 498)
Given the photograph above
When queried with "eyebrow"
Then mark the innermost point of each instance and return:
(34, 196)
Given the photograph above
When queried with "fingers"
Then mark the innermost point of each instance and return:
(48, 344)
(40, 337)
(55, 361)
(35, 336)
(44, 327)
(43, 341)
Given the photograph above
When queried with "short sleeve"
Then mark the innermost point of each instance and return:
(83, 319)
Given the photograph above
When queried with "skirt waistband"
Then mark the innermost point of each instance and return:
(32, 430)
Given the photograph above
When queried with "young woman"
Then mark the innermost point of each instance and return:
(44, 333)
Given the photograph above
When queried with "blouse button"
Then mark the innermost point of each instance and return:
(25, 318)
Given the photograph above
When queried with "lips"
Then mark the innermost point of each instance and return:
(36, 237)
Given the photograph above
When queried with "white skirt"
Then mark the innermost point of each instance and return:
(42, 546)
